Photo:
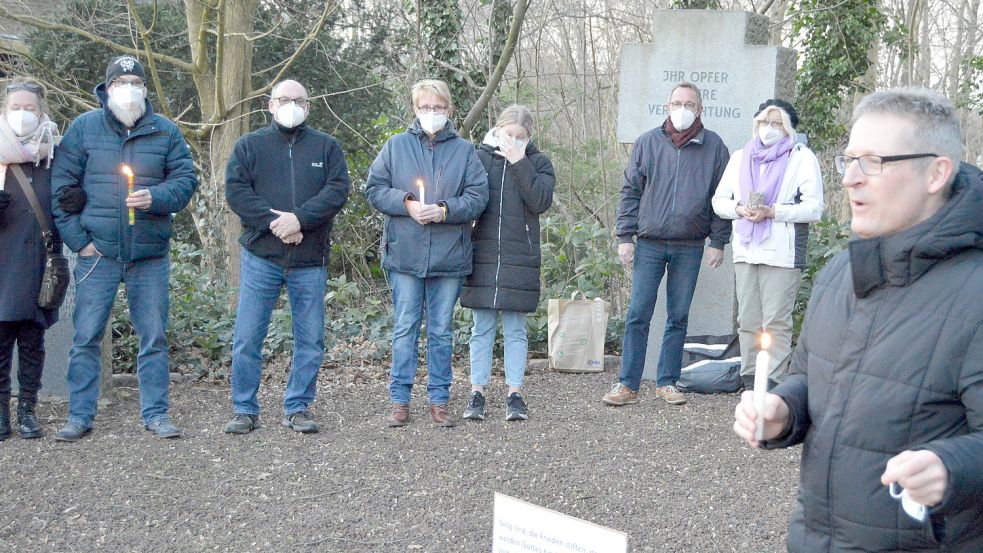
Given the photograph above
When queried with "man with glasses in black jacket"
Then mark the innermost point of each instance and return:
(885, 388)
(286, 182)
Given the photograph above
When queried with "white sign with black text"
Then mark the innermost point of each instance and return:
(521, 527)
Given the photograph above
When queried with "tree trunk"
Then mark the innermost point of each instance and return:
(236, 67)
(230, 77)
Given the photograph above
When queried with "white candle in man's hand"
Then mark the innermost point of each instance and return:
(761, 368)
(423, 191)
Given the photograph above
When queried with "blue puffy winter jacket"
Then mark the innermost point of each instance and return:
(92, 152)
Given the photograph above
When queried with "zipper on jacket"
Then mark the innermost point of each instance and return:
(528, 239)
(675, 183)
(498, 261)
(293, 195)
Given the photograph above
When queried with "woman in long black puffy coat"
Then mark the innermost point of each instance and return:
(505, 276)
(27, 140)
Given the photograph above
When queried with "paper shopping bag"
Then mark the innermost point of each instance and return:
(576, 334)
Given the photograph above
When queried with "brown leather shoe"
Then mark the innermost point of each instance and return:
(399, 415)
(671, 395)
(620, 395)
(440, 416)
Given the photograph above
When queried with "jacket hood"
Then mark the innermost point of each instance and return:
(447, 133)
(102, 94)
(901, 258)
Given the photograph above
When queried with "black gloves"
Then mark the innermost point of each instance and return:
(4, 200)
(72, 199)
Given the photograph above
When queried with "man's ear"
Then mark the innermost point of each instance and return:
(940, 174)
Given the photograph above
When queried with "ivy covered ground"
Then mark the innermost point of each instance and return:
(674, 478)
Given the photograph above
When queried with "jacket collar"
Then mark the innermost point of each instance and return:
(901, 258)
(698, 139)
(288, 135)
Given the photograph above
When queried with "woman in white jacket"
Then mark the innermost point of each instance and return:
(772, 189)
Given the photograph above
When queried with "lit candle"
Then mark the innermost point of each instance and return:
(423, 191)
(761, 368)
(129, 190)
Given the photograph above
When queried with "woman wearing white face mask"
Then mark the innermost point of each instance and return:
(27, 139)
(430, 185)
(772, 189)
(505, 279)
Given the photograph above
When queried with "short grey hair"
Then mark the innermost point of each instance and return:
(691, 86)
(516, 115)
(276, 87)
(937, 124)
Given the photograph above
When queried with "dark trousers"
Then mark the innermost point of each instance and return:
(29, 337)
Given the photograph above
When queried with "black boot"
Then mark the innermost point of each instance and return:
(27, 421)
(4, 420)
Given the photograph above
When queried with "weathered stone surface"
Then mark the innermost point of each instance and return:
(724, 53)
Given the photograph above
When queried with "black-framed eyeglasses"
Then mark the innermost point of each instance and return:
(688, 105)
(432, 109)
(30, 87)
(136, 83)
(300, 102)
(773, 124)
(871, 164)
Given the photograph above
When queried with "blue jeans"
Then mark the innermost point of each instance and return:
(260, 283)
(681, 265)
(411, 295)
(97, 279)
(483, 341)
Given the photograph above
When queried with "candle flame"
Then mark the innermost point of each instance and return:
(765, 340)
(125, 169)
(419, 183)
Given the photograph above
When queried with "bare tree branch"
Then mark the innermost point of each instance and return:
(219, 63)
(518, 14)
(457, 70)
(316, 30)
(39, 23)
(53, 81)
(151, 62)
(201, 64)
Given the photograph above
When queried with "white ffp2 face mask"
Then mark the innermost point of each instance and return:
(682, 118)
(770, 135)
(290, 115)
(22, 122)
(127, 97)
(432, 122)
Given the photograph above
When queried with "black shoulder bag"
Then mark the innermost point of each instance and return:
(54, 283)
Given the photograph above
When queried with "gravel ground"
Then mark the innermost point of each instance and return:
(674, 478)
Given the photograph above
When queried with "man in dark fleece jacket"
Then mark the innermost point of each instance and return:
(286, 182)
(885, 389)
(664, 219)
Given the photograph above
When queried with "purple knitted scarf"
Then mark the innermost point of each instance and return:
(768, 182)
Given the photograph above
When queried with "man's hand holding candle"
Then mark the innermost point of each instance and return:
(140, 199)
(776, 417)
